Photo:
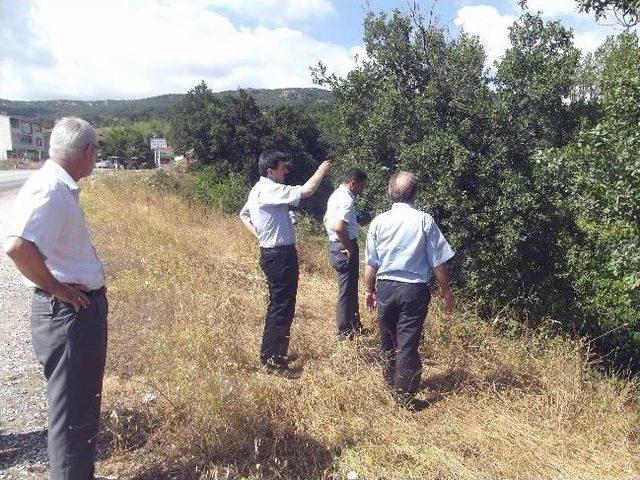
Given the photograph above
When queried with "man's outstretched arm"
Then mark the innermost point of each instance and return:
(311, 185)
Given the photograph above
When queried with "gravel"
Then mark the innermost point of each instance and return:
(23, 406)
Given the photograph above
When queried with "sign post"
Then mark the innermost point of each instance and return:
(156, 145)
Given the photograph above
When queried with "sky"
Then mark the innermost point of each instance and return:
(125, 49)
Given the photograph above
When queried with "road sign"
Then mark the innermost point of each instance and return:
(157, 143)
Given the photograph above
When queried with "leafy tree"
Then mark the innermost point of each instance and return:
(128, 143)
(191, 123)
(422, 101)
(292, 130)
(237, 127)
(602, 172)
(626, 12)
(533, 81)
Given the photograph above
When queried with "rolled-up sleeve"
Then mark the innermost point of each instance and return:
(40, 220)
(372, 254)
(282, 195)
(438, 249)
(343, 211)
(245, 213)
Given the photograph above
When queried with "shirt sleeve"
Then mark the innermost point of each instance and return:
(371, 254)
(343, 212)
(245, 213)
(40, 219)
(438, 249)
(282, 195)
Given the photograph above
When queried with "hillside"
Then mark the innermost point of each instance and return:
(113, 112)
(185, 397)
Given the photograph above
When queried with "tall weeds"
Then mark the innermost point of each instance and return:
(187, 306)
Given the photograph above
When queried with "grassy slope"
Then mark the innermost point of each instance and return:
(187, 305)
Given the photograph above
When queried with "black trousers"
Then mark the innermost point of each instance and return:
(280, 265)
(348, 272)
(402, 309)
(72, 349)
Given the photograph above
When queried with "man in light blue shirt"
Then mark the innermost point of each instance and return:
(405, 249)
(266, 215)
(344, 255)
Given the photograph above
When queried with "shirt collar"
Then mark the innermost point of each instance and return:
(268, 180)
(401, 206)
(61, 174)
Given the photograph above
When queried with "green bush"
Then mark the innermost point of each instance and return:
(161, 181)
(212, 188)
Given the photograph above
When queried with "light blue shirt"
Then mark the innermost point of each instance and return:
(341, 206)
(267, 209)
(405, 244)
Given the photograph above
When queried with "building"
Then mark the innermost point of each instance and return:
(20, 137)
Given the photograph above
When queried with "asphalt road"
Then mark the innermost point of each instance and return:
(23, 418)
(11, 181)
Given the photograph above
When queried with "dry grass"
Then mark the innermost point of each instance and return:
(187, 304)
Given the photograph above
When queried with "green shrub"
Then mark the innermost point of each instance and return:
(215, 190)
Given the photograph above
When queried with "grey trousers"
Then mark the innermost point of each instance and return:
(402, 309)
(348, 272)
(72, 349)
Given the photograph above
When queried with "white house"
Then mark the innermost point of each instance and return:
(19, 136)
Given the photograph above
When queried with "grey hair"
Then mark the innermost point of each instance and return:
(403, 187)
(69, 137)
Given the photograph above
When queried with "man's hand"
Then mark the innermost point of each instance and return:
(449, 303)
(324, 167)
(30, 262)
(371, 301)
(73, 295)
(347, 252)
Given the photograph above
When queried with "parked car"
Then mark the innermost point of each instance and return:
(105, 164)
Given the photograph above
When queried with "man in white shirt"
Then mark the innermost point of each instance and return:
(405, 249)
(266, 215)
(344, 254)
(49, 242)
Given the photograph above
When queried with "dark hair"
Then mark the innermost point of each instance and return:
(404, 190)
(269, 160)
(355, 174)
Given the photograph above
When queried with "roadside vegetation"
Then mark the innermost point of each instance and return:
(185, 398)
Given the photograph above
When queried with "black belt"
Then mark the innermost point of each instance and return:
(277, 248)
(98, 291)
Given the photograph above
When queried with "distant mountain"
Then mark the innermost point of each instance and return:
(114, 112)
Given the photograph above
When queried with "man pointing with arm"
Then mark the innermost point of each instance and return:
(266, 215)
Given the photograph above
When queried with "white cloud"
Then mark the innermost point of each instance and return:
(277, 11)
(120, 49)
(589, 41)
(492, 27)
(487, 23)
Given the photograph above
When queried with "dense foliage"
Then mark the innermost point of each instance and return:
(530, 169)
(228, 133)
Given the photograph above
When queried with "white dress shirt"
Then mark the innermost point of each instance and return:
(405, 244)
(267, 209)
(341, 206)
(47, 212)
